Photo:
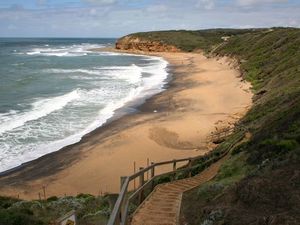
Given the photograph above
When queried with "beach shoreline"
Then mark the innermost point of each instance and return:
(131, 107)
(171, 124)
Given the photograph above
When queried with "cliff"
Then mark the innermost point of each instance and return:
(140, 44)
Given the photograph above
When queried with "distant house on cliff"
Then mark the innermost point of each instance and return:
(225, 38)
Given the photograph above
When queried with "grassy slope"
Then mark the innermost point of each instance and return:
(259, 184)
(270, 192)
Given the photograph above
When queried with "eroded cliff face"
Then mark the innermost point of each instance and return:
(137, 44)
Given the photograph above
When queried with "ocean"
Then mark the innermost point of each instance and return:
(53, 91)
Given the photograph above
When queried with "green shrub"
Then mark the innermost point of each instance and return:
(82, 195)
(209, 190)
(6, 202)
(17, 218)
(52, 198)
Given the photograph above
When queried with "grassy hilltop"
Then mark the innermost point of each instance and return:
(260, 182)
(189, 40)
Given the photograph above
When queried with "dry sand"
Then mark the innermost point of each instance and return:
(203, 94)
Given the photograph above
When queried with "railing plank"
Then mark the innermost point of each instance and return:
(115, 215)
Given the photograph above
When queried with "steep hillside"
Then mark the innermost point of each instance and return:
(259, 183)
(268, 191)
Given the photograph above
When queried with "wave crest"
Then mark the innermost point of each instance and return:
(38, 110)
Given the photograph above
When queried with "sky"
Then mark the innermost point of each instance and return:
(115, 18)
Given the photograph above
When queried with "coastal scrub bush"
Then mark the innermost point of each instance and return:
(6, 202)
(209, 190)
(163, 179)
(8, 217)
(89, 210)
(84, 196)
(52, 198)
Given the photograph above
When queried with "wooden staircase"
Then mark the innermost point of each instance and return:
(162, 207)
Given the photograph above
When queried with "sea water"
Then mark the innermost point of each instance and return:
(54, 91)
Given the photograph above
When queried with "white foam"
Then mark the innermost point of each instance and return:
(140, 87)
(132, 74)
(17, 64)
(38, 109)
(68, 71)
(64, 51)
(9, 159)
(103, 115)
(154, 84)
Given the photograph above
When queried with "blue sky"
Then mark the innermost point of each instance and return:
(115, 18)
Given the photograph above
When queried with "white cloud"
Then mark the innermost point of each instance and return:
(206, 4)
(258, 2)
(112, 20)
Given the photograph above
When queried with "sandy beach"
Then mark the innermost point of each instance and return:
(203, 95)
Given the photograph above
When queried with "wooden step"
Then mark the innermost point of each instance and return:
(163, 205)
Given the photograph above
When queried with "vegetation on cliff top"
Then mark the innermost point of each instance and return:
(189, 40)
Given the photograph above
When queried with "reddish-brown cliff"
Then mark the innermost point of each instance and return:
(137, 44)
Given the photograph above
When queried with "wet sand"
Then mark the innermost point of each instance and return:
(202, 96)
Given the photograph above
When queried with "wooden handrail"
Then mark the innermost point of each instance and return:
(115, 216)
(119, 213)
(144, 170)
(120, 218)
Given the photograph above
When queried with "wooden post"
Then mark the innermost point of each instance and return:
(44, 191)
(134, 170)
(174, 169)
(190, 167)
(141, 194)
(152, 175)
(152, 170)
(147, 170)
(122, 180)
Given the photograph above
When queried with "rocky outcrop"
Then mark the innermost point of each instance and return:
(133, 43)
